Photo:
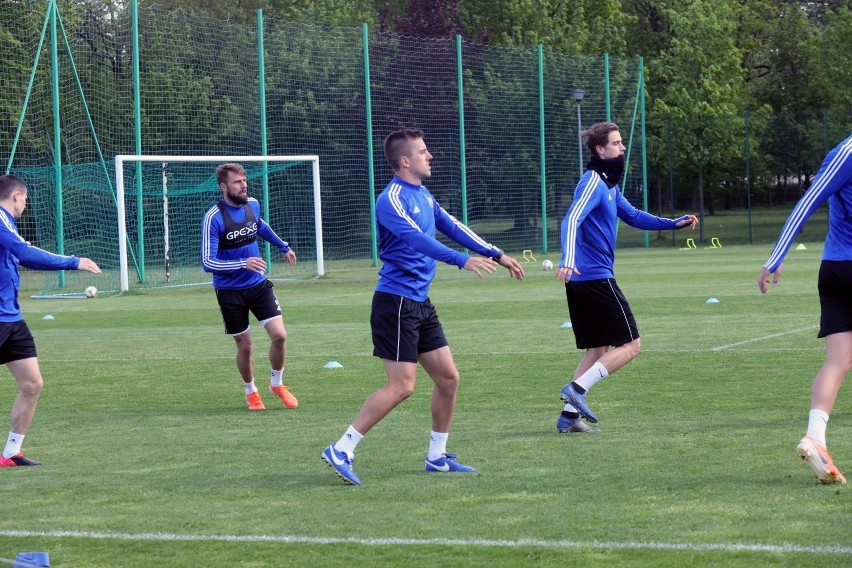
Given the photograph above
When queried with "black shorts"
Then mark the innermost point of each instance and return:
(16, 342)
(835, 297)
(236, 304)
(600, 315)
(403, 328)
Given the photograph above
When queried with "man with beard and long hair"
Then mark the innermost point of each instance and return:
(229, 250)
(601, 318)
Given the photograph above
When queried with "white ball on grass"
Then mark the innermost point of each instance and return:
(546, 265)
(91, 292)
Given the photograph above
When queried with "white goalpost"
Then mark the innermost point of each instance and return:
(122, 160)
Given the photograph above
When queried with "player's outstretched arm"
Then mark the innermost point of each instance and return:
(481, 265)
(763, 278)
(688, 220)
(515, 269)
(89, 265)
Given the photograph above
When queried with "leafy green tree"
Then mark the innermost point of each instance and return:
(17, 25)
(697, 80)
(834, 56)
(334, 12)
(581, 26)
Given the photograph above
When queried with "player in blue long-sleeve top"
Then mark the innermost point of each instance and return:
(17, 346)
(404, 322)
(602, 321)
(833, 183)
(229, 250)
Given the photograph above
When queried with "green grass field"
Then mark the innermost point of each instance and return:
(153, 460)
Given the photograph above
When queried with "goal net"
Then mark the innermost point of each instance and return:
(161, 200)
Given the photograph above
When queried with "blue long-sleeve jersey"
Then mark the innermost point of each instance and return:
(15, 251)
(228, 265)
(407, 216)
(834, 183)
(589, 227)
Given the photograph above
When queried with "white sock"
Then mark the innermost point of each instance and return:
(817, 423)
(250, 388)
(588, 379)
(277, 378)
(437, 444)
(569, 408)
(13, 444)
(348, 441)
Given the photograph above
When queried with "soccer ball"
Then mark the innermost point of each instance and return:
(91, 292)
(546, 265)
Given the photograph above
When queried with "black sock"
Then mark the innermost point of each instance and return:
(571, 415)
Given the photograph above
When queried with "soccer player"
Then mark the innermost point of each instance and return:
(602, 321)
(833, 182)
(229, 250)
(17, 346)
(404, 322)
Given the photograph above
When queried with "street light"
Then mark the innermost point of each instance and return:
(578, 96)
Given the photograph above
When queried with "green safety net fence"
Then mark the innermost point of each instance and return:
(512, 111)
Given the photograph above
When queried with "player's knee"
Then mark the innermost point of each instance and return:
(32, 386)
(633, 349)
(278, 337)
(245, 349)
(402, 392)
(449, 379)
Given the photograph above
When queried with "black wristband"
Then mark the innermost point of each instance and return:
(497, 257)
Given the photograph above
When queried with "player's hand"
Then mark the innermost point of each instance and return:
(480, 265)
(256, 264)
(290, 257)
(564, 274)
(690, 220)
(764, 278)
(89, 265)
(515, 269)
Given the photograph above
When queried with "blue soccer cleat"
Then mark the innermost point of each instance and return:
(447, 464)
(578, 401)
(341, 464)
(573, 426)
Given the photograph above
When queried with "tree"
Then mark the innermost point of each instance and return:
(834, 56)
(581, 26)
(424, 18)
(697, 80)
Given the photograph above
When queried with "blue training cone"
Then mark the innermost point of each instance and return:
(31, 560)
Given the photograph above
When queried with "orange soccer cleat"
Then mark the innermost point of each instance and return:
(820, 461)
(254, 402)
(18, 459)
(285, 395)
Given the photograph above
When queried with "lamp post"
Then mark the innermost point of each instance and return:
(578, 96)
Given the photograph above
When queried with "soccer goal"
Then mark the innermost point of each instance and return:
(161, 200)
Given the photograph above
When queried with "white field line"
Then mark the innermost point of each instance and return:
(763, 338)
(456, 352)
(366, 354)
(531, 543)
